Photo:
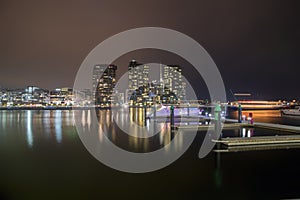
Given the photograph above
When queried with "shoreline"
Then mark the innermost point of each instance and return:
(52, 108)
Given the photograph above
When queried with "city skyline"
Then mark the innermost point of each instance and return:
(230, 93)
(147, 84)
(254, 47)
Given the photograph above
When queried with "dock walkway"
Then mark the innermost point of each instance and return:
(292, 139)
(263, 140)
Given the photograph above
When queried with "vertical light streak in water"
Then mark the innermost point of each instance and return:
(68, 116)
(89, 119)
(250, 133)
(29, 129)
(161, 134)
(11, 118)
(100, 132)
(18, 117)
(83, 118)
(179, 144)
(46, 122)
(58, 127)
(73, 118)
(3, 119)
(243, 132)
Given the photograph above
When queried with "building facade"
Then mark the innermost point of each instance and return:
(138, 75)
(168, 89)
(106, 81)
(173, 80)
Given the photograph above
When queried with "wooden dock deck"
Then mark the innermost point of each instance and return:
(232, 123)
(278, 127)
(259, 140)
(257, 147)
(205, 127)
(255, 142)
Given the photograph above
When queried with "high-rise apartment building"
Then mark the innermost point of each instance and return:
(170, 82)
(104, 77)
(138, 75)
(173, 80)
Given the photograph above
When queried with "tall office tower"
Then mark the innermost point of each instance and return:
(172, 80)
(138, 75)
(104, 77)
(98, 70)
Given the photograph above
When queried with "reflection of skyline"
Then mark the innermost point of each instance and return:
(58, 126)
(29, 129)
(52, 125)
(37, 125)
(129, 132)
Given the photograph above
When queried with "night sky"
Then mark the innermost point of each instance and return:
(253, 43)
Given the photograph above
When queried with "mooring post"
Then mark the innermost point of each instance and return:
(145, 115)
(251, 118)
(240, 114)
(218, 118)
(172, 118)
(154, 111)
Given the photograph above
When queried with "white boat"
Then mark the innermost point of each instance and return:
(292, 112)
(164, 111)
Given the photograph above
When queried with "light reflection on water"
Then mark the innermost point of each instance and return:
(58, 126)
(53, 125)
(37, 125)
(129, 131)
(125, 129)
(269, 116)
(38, 151)
(29, 128)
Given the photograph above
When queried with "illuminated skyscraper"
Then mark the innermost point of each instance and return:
(169, 88)
(104, 77)
(98, 70)
(138, 75)
(172, 80)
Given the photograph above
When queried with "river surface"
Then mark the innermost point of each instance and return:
(42, 157)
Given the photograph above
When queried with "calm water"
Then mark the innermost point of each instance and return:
(42, 157)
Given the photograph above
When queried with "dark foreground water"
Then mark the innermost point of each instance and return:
(42, 157)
